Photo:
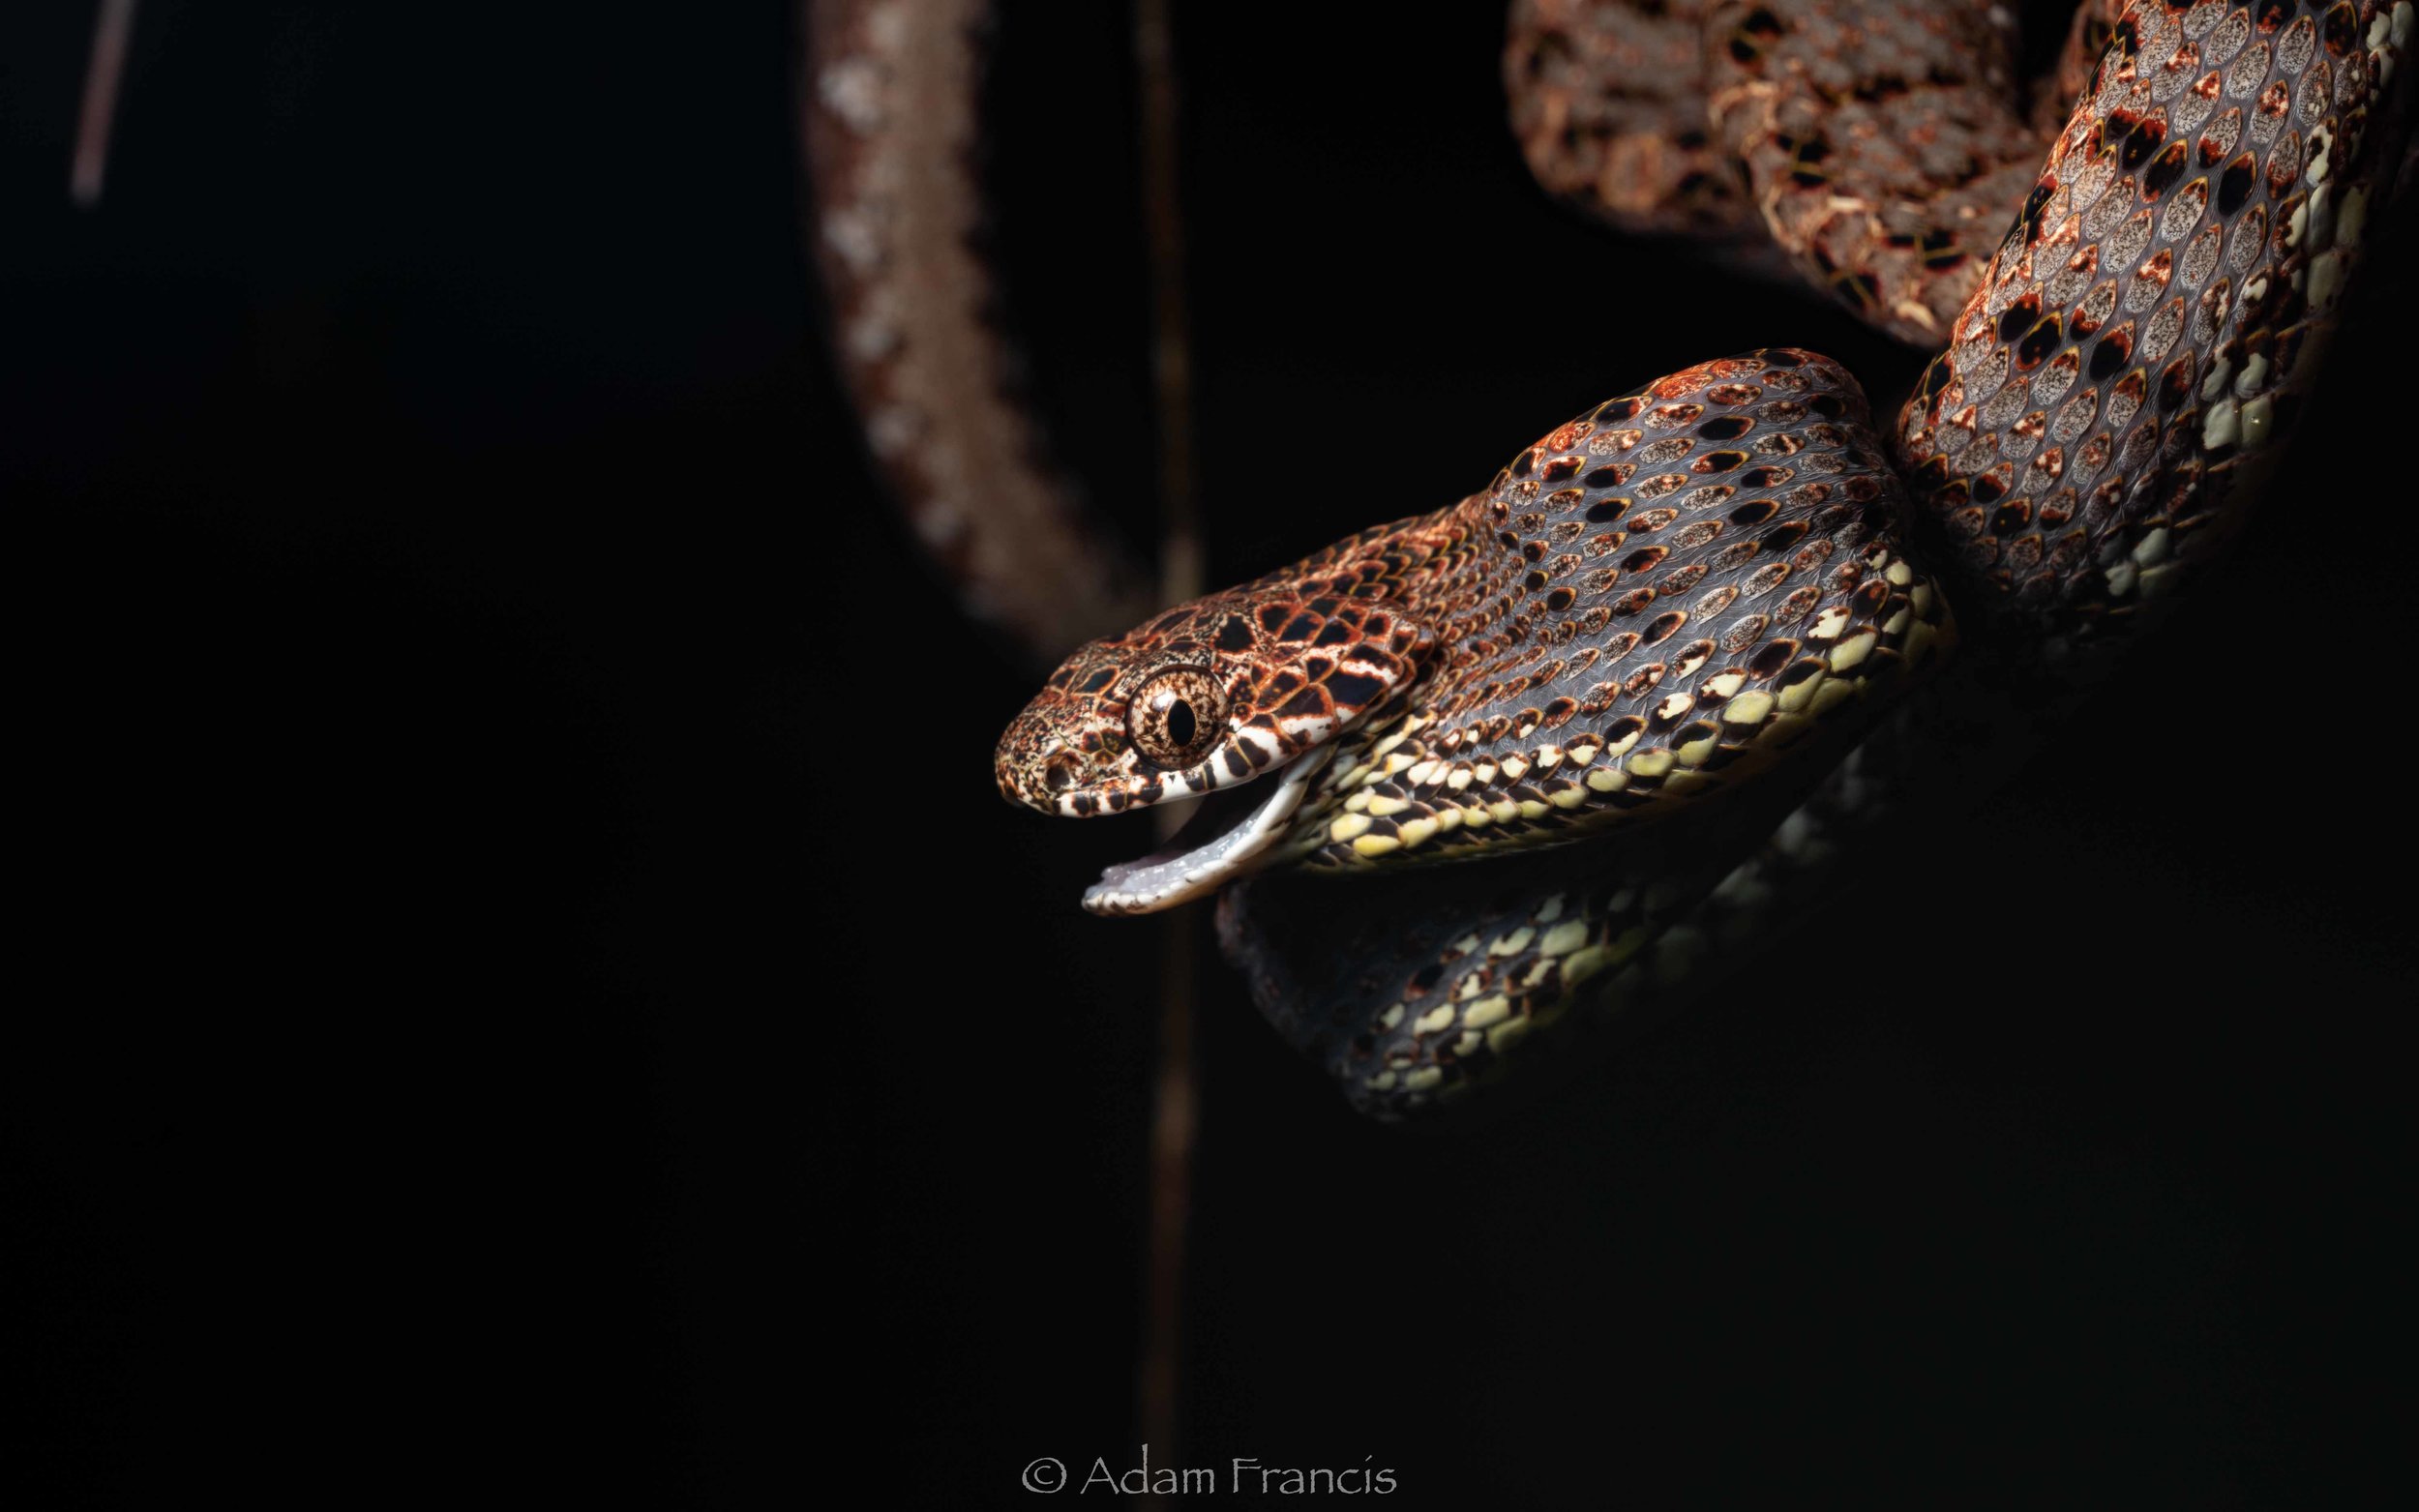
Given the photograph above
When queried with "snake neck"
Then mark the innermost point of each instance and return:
(1470, 589)
(1645, 606)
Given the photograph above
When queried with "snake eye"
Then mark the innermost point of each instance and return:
(1178, 716)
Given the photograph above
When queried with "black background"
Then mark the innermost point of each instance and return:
(529, 986)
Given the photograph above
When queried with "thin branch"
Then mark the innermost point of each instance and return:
(1173, 1095)
(110, 31)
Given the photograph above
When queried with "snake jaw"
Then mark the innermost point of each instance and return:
(1186, 869)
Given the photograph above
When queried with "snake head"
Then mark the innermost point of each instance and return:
(1213, 694)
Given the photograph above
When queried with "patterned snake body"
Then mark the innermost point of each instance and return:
(1670, 621)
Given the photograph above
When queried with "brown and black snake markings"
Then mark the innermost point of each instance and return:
(1655, 675)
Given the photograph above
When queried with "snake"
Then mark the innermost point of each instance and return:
(1530, 768)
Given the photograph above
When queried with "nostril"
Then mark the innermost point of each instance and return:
(1059, 775)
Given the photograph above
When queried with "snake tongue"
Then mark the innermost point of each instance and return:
(1211, 851)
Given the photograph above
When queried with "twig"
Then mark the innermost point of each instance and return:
(1172, 1096)
(115, 24)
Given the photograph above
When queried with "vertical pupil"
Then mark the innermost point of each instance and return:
(1180, 723)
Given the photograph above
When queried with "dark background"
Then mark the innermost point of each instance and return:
(529, 988)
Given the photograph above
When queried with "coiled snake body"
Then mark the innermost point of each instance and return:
(1665, 627)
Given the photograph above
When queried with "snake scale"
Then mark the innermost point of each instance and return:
(1653, 680)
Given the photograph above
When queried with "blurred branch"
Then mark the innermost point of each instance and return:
(1174, 1101)
(110, 31)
